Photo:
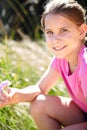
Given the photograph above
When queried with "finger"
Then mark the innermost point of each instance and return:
(4, 96)
(11, 92)
(3, 99)
(3, 93)
(8, 90)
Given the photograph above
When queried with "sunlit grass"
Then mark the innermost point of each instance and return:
(14, 68)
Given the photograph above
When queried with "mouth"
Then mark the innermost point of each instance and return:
(58, 48)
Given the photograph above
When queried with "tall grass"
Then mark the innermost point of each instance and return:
(21, 74)
(13, 68)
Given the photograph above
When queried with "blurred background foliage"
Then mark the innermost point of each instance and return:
(18, 16)
(22, 64)
(23, 16)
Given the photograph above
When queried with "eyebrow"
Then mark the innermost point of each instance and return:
(47, 29)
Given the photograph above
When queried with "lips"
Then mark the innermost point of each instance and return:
(58, 48)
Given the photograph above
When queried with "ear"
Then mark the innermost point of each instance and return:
(83, 31)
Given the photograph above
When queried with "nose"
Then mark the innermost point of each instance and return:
(56, 38)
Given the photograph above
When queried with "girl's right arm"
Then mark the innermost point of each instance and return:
(29, 93)
(48, 80)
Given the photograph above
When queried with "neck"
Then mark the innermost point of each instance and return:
(72, 66)
(73, 62)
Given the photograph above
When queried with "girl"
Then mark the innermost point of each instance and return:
(64, 26)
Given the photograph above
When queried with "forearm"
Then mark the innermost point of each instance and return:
(15, 95)
(28, 94)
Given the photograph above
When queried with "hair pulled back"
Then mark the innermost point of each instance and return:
(67, 8)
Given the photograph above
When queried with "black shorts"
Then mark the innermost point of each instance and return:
(85, 116)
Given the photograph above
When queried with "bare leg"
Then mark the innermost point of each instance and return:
(50, 111)
(42, 119)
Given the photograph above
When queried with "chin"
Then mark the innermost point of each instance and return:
(59, 56)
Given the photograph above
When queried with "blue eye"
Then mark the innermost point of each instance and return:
(63, 30)
(49, 32)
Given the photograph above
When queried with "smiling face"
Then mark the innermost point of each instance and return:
(63, 37)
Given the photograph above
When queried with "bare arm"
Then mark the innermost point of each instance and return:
(48, 80)
(29, 93)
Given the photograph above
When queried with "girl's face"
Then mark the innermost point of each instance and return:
(63, 37)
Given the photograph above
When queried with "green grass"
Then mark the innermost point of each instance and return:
(13, 68)
(21, 74)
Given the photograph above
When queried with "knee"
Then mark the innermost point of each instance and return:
(37, 106)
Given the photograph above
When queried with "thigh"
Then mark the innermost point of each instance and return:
(63, 109)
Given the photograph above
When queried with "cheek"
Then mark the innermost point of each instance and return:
(48, 41)
(76, 35)
(72, 37)
(76, 38)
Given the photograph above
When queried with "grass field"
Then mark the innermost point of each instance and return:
(23, 63)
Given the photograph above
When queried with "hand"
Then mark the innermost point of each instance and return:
(8, 95)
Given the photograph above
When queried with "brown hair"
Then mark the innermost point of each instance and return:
(68, 8)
